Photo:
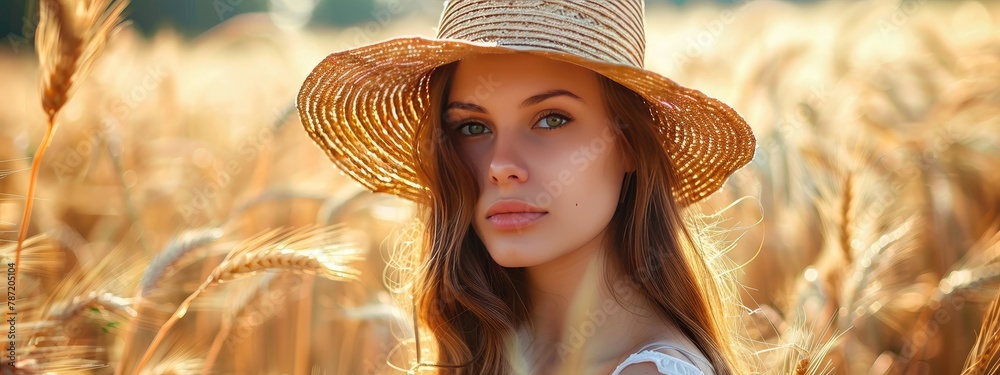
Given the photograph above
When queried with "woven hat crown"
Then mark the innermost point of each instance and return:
(609, 30)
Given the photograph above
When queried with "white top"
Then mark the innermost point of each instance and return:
(665, 364)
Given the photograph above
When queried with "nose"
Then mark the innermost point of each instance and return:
(506, 165)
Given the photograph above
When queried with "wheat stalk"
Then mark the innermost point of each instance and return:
(806, 349)
(302, 331)
(50, 342)
(845, 217)
(181, 357)
(881, 261)
(54, 360)
(244, 305)
(41, 255)
(970, 278)
(306, 251)
(981, 267)
(70, 37)
(166, 260)
(116, 162)
(984, 358)
(59, 317)
(177, 367)
(965, 276)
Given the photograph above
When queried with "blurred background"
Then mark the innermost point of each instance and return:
(192, 17)
(866, 226)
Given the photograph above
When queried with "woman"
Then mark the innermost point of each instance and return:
(552, 171)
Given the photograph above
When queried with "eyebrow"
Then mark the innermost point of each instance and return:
(527, 102)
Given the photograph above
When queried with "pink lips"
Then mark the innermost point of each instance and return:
(513, 214)
(513, 221)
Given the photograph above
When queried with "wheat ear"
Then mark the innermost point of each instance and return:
(178, 248)
(71, 34)
(808, 354)
(170, 258)
(311, 251)
(95, 299)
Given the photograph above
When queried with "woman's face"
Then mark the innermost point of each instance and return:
(541, 143)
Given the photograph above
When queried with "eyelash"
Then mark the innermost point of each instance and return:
(543, 115)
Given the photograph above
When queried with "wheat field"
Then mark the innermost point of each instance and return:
(183, 222)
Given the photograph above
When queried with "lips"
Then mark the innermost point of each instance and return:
(512, 221)
(511, 206)
(513, 214)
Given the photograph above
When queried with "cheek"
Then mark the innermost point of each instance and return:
(475, 156)
(591, 182)
(598, 185)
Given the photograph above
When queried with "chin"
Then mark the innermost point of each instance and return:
(527, 248)
(514, 256)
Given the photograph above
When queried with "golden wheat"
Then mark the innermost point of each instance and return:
(985, 355)
(244, 306)
(310, 251)
(170, 258)
(70, 37)
(871, 202)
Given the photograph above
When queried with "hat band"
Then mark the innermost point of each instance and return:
(609, 31)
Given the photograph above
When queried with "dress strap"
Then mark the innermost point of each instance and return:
(691, 356)
(665, 364)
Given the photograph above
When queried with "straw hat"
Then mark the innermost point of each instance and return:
(362, 105)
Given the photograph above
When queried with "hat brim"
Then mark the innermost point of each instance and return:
(361, 106)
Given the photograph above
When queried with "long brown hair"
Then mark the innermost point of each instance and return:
(471, 306)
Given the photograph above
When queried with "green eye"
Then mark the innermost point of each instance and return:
(552, 121)
(473, 129)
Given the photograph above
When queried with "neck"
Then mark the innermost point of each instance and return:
(558, 285)
(575, 315)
